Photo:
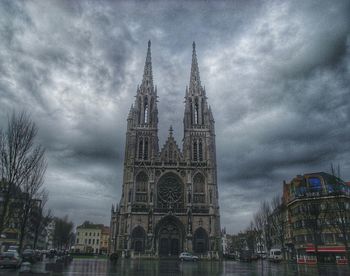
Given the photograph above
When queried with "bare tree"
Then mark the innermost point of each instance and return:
(261, 223)
(30, 199)
(340, 221)
(21, 161)
(44, 217)
(278, 222)
(339, 211)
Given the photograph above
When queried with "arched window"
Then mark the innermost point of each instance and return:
(200, 150)
(140, 148)
(145, 118)
(141, 182)
(141, 187)
(145, 150)
(191, 109)
(139, 115)
(198, 188)
(195, 153)
(196, 112)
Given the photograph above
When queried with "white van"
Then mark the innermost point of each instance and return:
(275, 255)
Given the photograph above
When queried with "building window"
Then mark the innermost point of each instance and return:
(89, 241)
(198, 189)
(195, 151)
(77, 240)
(97, 241)
(93, 241)
(145, 150)
(200, 150)
(140, 148)
(196, 112)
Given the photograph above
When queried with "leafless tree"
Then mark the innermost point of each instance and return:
(261, 223)
(21, 162)
(278, 222)
(44, 217)
(339, 212)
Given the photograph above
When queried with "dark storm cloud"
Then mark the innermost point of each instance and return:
(276, 75)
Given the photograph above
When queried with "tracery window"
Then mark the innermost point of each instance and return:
(198, 189)
(195, 153)
(143, 148)
(200, 150)
(170, 192)
(141, 187)
(196, 112)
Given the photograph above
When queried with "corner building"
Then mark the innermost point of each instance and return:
(169, 200)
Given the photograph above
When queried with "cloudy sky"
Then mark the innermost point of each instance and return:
(277, 75)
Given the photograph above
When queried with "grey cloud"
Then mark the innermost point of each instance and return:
(276, 75)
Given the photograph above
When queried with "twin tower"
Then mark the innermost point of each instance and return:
(169, 201)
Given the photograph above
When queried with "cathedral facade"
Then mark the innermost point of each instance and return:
(169, 201)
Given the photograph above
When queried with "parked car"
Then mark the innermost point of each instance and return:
(275, 255)
(29, 255)
(13, 248)
(10, 259)
(186, 256)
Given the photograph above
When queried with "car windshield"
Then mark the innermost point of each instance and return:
(28, 251)
(277, 252)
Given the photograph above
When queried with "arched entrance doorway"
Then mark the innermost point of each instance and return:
(170, 234)
(138, 237)
(200, 241)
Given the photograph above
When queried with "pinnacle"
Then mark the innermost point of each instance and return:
(147, 80)
(194, 79)
(171, 131)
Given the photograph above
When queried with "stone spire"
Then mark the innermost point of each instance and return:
(195, 82)
(147, 81)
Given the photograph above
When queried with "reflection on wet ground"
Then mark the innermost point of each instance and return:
(174, 267)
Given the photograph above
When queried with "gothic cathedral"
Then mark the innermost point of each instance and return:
(169, 200)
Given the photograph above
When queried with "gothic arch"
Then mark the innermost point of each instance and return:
(200, 241)
(198, 188)
(170, 236)
(141, 187)
(138, 239)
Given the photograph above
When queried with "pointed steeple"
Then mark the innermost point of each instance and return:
(195, 82)
(171, 131)
(147, 81)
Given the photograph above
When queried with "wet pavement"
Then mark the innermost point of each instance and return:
(101, 267)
